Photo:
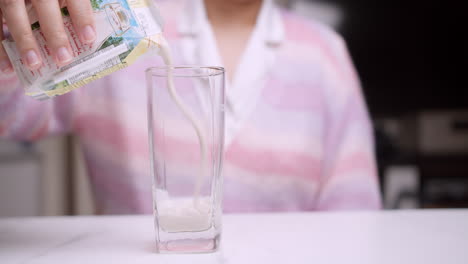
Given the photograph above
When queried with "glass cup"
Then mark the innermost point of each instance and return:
(186, 137)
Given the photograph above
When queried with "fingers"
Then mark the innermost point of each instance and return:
(5, 65)
(82, 16)
(50, 19)
(16, 17)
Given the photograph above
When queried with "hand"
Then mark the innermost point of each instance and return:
(15, 15)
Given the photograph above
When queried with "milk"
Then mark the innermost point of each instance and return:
(165, 53)
(181, 214)
(184, 213)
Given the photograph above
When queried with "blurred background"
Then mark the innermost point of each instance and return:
(410, 56)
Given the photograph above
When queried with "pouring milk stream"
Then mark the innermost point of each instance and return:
(126, 31)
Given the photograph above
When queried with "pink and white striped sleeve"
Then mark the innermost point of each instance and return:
(349, 180)
(26, 119)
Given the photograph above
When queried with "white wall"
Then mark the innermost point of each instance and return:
(32, 181)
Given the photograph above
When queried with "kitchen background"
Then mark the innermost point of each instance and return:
(410, 56)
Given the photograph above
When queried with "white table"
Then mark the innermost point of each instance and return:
(432, 236)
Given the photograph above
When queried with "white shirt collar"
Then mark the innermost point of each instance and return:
(258, 58)
(193, 18)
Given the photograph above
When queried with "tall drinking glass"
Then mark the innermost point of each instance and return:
(186, 136)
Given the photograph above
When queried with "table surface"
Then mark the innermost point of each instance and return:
(428, 236)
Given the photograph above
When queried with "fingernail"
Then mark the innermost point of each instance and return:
(63, 55)
(5, 66)
(32, 59)
(88, 34)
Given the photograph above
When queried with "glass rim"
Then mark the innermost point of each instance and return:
(217, 70)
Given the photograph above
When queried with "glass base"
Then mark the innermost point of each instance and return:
(184, 246)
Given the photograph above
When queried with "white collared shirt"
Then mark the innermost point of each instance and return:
(199, 47)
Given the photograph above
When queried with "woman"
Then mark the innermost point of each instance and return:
(298, 136)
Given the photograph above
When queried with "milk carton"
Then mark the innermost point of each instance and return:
(126, 30)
